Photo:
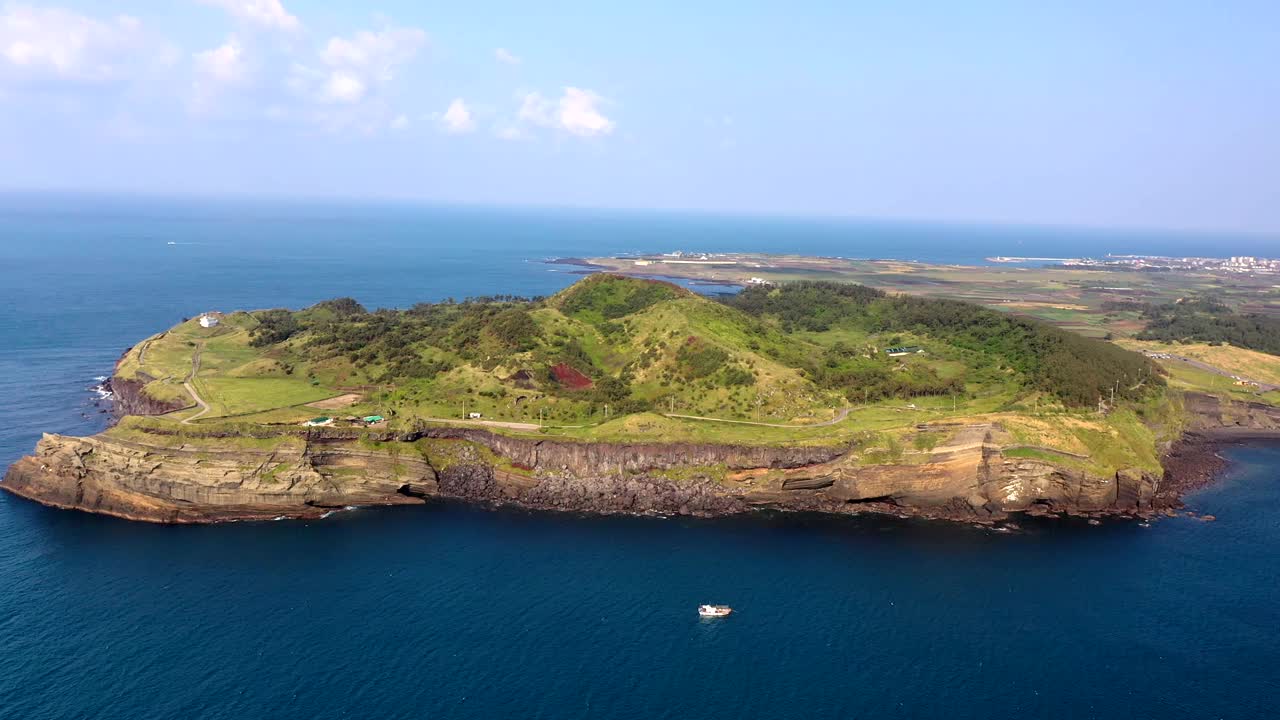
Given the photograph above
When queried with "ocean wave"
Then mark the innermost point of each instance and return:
(101, 392)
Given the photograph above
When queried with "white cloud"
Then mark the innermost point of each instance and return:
(377, 53)
(343, 86)
(216, 70)
(506, 56)
(457, 118)
(576, 112)
(579, 114)
(400, 122)
(536, 109)
(67, 44)
(356, 67)
(264, 13)
(224, 64)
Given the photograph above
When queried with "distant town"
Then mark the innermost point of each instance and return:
(1243, 264)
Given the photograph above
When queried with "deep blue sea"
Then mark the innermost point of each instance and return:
(449, 611)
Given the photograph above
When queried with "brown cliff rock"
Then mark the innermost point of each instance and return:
(305, 474)
(270, 472)
(130, 399)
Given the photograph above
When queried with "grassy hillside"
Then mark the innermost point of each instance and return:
(615, 358)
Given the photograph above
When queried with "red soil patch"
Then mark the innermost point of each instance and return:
(570, 377)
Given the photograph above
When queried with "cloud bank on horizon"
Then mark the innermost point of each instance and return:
(1160, 114)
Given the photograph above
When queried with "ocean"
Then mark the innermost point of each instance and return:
(463, 612)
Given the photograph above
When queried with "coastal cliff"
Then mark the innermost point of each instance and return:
(218, 479)
(131, 399)
(168, 477)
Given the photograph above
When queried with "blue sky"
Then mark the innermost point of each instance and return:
(1155, 114)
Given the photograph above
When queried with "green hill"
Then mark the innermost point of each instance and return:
(610, 346)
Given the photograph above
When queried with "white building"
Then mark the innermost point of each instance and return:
(209, 320)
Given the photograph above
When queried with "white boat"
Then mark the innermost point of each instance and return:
(714, 611)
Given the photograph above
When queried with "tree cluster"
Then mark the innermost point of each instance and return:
(1077, 370)
(1206, 320)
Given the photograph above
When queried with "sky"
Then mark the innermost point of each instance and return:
(1110, 114)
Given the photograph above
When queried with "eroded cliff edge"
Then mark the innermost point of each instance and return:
(969, 476)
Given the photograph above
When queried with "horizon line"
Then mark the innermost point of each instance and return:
(418, 201)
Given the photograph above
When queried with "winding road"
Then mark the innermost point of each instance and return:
(195, 368)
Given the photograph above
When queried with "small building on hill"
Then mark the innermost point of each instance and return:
(904, 350)
(210, 319)
(319, 422)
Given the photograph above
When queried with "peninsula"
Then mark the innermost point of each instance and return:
(634, 395)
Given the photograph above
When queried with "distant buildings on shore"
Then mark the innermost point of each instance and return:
(1245, 264)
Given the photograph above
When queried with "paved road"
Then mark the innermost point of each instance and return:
(195, 368)
(1262, 387)
(844, 413)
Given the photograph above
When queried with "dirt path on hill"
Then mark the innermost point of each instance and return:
(485, 423)
(844, 413)
(195, 368)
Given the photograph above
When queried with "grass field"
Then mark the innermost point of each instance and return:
(1250, 364)
(239, 396)
(223, 381)
(1185, 377)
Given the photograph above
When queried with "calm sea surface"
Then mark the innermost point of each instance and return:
(450, 611)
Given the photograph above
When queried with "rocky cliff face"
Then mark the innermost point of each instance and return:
(304, 473)
(965, 478)
(588, 458)
(1212, 417)
(131, 400)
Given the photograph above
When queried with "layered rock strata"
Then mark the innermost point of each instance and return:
(294, 473)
